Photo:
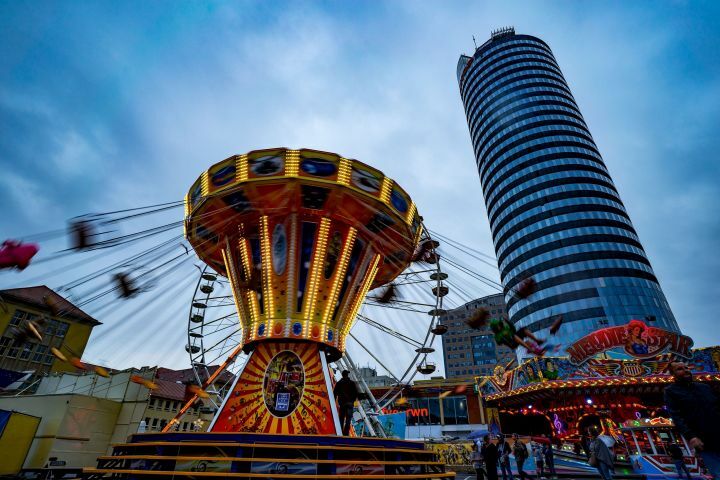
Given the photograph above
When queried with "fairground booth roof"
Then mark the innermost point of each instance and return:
(625, 360)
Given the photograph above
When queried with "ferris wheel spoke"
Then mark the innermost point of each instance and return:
(395, 307)
(221, 305)
(200, 326)
(389, 331)
(415, 272)
(413, 281)
(224, 339)
(403, 302)
(375, 358)
(221, 354)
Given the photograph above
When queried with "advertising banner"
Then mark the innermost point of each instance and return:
(394, 424)
(637, 339)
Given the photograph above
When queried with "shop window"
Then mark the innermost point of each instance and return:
(434, 404)
(423, 411)
(448, 411)
(455, 410)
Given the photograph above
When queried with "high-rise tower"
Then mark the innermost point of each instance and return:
(554, 211)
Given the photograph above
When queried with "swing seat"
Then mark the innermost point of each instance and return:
(17, 255)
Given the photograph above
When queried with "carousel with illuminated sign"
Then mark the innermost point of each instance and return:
(300, 237)
(613, 379)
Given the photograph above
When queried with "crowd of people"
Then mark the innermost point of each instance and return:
(693, 406)
(488, 456)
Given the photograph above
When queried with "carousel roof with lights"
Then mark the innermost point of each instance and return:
(557, 378)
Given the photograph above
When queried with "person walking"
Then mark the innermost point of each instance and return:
(504, 451)
(600, 456)
(346, 393)
(678, 459)
(695, 411)
(549, 458)
(489, 453)
(539, 461)
(477, 462)
(521, 454)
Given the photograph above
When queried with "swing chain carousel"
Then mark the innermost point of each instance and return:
(300, 237)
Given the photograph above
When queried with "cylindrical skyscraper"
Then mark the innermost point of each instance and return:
(554, 211)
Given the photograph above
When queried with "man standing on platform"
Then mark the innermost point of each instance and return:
(346, 393)
(695, 410)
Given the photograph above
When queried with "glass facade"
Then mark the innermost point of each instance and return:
(554, 211)
(426, 411)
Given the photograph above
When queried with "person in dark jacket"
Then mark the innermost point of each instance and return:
(600, 453)
(504, 452)
(695, 410)
(489, 453)
(547, 452)
(346, 393)
(521, 454)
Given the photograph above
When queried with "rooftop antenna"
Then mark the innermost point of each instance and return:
(474, 42)
(502, 32)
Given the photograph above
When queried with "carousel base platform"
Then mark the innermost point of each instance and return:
(254, 456)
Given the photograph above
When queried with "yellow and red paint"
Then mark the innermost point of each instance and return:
(249, 406)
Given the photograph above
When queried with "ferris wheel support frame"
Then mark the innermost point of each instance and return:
(395, 390)
(221, 368)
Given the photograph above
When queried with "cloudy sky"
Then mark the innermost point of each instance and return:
(111, 105)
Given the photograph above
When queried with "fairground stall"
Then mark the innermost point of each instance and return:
(614, 379)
